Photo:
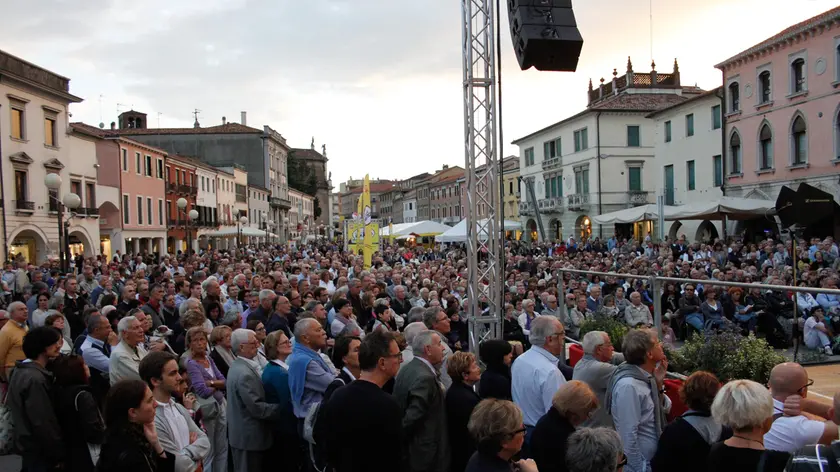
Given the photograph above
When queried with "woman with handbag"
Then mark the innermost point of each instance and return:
(78, 413)
(209, 386)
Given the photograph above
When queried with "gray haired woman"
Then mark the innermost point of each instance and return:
(747, 408)
(499, 432)
(594, 450)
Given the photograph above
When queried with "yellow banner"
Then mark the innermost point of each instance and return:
(367, 211)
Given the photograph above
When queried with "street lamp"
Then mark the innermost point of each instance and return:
(191, 216)
(72, 202)
(268, 225)
(240, 221)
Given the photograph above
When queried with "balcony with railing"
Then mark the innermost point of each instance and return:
(638, 198)
(551, 205)
(90, 212)
(553, 163)
(187, 189)
(526, 208)
(281, 203)
(577, 201)
(24, 206)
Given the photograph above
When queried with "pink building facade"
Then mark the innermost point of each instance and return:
(782, 111)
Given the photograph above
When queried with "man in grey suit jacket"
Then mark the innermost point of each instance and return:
(595, 369)
(420, 396)
(248, 414)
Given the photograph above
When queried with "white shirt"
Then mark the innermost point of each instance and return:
(180, 429)
(281, 364)
(789, 433)
(535, 378)
(347, 371)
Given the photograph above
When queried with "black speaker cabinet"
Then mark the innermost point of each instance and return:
(545, 34)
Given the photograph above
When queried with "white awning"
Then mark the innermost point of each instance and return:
(423, 228)
(458, 233)
(733, 208)
(631, 215)
(246, 231)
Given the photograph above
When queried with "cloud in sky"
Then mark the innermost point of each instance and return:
(378, 81)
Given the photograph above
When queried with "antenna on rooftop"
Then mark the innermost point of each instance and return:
(195, 113)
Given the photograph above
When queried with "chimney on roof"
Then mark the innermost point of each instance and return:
(445, 166)
(244, 119)
(224, 120)
(113, 125)
(614, 79)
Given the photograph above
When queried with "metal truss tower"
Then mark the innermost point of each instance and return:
(484, 243)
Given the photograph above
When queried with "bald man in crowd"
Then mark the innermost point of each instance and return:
(790, 433)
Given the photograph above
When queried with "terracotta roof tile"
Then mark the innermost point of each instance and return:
(307, 154)
(228, 128)
(639, 101)
(798, 28)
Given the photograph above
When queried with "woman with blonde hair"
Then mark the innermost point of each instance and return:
(461, 399)
(222, 353)
(572, 404)
(747, 408)
(208, 383)
(498, 431)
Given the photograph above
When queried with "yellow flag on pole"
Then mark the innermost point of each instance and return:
(364, 203)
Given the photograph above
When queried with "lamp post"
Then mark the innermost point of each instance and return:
(72, 202)
(268, 225)
(191, 216)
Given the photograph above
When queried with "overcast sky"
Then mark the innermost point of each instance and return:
(377, 81)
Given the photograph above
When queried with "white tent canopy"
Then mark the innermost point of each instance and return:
(422, 227)
(458, 233)
(732, 207)
(386, 230)
(632, 215)
(246, 231)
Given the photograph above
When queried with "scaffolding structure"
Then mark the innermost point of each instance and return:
(485, 258)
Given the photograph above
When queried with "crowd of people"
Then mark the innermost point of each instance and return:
(298, 357)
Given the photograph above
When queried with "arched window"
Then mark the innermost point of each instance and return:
(799, 142)
(735, 153)
(837, 135)
(765, 148)
(734, 97)
(797, 75)
(764, 87)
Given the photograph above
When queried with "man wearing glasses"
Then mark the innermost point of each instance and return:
(535, 375)
(789, 433)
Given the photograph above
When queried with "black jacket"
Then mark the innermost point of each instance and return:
(460, 402)
(30, 399)
(495, 383)
(680, 440)
(548, 441)
(122, 452)
(81, 424)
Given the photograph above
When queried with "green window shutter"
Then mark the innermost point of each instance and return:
(633, 138)
(690, 172)
(585, 179)
(635, 179)
(689, 124)
(718, 163)
(716, 117)
(584, 139)
(546, 151)
(559, 180)
(667, 131)
(557, 148)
